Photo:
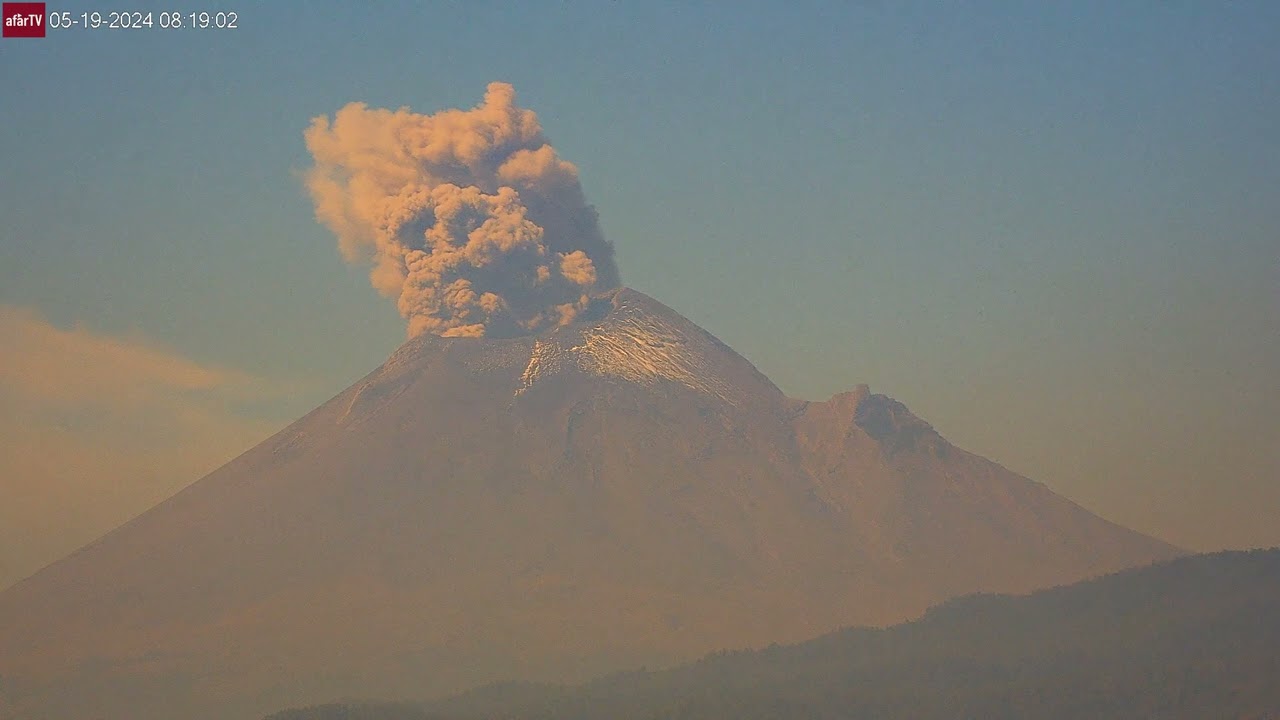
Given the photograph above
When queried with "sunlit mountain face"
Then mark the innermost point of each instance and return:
(619, 491)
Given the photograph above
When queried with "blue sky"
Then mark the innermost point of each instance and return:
(1052, 231)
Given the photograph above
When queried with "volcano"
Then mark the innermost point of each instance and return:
(619, 492)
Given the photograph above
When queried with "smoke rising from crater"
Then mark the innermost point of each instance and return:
(469, 217)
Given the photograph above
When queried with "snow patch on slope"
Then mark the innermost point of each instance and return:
(547, 358)
(633, 345)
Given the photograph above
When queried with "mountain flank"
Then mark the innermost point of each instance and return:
(624, 490)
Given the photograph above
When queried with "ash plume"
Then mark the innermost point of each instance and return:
(471, 220)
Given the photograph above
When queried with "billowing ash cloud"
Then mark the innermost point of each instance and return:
(471, 220)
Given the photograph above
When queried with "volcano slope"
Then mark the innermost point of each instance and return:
(619, 492)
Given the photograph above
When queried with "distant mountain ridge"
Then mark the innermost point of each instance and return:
(622, 491)
(1192, 638)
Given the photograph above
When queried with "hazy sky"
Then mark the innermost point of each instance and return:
(1053, 232)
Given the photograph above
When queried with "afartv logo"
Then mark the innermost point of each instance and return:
(24, 19)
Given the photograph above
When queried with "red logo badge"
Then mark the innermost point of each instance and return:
(24, 19)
